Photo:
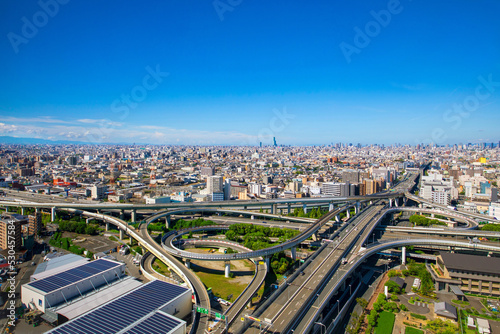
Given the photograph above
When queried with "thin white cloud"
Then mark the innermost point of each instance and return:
(94, 133)
(100, 122)
(41, 119)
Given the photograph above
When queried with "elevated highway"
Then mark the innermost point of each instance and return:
(301, 293)
(481, 217)
(309, 231)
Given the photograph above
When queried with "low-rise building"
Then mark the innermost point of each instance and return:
(471, 273)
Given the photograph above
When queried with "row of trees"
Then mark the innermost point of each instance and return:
(264, 231)
(491, 227)
(182, 224)
(78, 227)
(313, 213)
(420, 220)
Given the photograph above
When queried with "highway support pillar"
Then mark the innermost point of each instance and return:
(107, 229)
(356, 208)
(348, 212)
(390, 202)
(274, 209)
(289, 208)
(52, 214)
(432, 215)
(37, 210)
(188, 263)
(405, 200)
(122, 214)
(168, 222)
(268, 263)
(489, 254)
(403, 255)
(87, 221)
(294, 253)
(337, 218)
(371, 202)
(331, 207)
(227, 269)
(315, 236)
(6, 209)
(22, 211)
(396, 202)
(133, 216)
(122, 234)
(305, 208)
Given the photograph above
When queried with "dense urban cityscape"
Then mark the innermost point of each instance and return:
(306, 199)
(249, 167)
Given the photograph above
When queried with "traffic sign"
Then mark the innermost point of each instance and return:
(220, 316)
(201, 310)
(242, 319)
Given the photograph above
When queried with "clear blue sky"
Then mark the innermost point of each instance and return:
(233, 69)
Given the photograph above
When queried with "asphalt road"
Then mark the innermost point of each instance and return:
(198, 286)
(299, 294)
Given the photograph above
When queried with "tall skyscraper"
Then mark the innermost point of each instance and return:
(274, 141)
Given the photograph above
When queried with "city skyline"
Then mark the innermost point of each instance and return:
(242, 73)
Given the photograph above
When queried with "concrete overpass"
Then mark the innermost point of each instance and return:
(444, 207)
(292, 243)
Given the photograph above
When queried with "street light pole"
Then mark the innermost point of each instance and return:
(319, 323)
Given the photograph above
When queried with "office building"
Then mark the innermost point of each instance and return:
(12, 228)
(35, 223)
(98, 191)
(215, 184)
(335, 189)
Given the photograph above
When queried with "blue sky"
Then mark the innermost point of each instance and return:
(240, 72)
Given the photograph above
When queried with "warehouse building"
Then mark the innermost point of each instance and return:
(57, 264)
(56, 289)
(154, 307)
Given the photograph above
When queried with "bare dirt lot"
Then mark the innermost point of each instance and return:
(94, 243)
(243, 269)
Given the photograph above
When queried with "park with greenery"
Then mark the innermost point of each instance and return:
(419, 220)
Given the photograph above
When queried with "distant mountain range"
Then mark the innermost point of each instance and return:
(34, 141)
(26, 141)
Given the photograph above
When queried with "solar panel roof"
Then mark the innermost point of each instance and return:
(158, 323)
(71, 276)
(122, 312)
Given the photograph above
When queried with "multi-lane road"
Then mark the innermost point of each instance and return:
(300, 294)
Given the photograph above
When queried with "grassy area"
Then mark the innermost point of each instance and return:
(385, 323)
(221, 286)
(160, 267)
(411, 330)
(113, 238)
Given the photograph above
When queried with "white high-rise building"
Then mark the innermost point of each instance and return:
(215, 184)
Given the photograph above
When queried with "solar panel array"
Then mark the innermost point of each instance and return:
(71, 276)
(123, 311)
(159, 323)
